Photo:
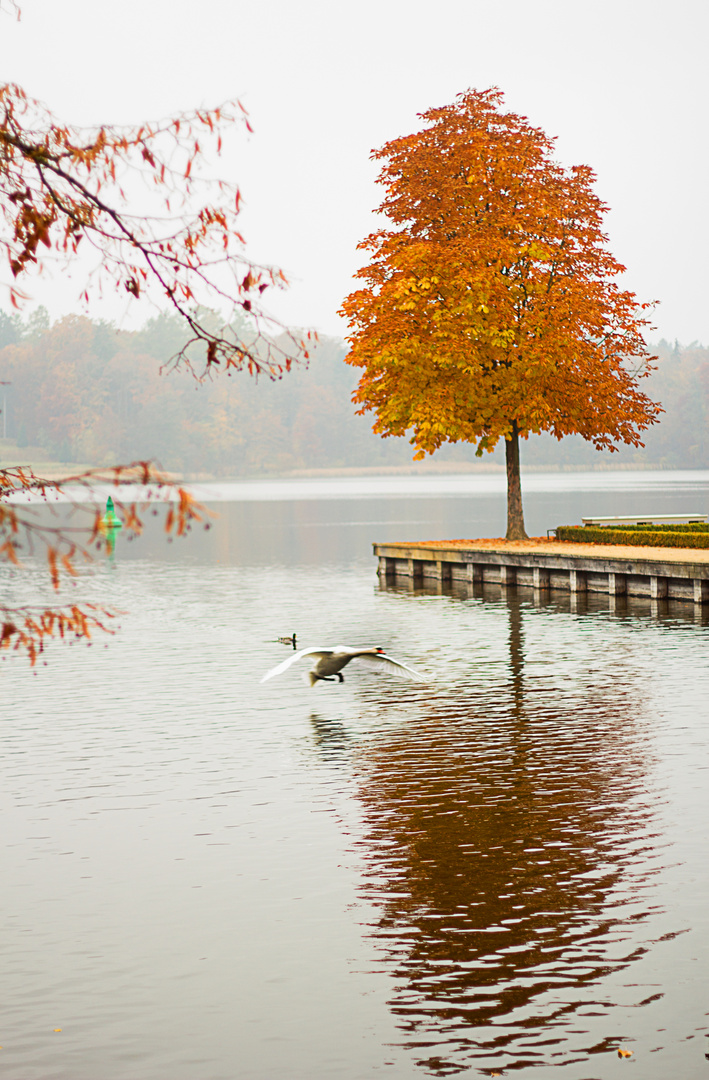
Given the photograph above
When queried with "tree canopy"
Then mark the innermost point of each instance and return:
(491, 307)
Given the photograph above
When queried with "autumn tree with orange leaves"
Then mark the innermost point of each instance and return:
(491, 308)
(160, 227)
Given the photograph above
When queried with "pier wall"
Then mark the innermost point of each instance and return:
(656, 578)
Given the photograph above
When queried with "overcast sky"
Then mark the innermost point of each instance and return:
(622, 85)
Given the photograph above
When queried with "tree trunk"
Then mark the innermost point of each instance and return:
(515, 513)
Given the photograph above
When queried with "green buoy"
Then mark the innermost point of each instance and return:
(109, 520)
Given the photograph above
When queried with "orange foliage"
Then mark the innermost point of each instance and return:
(61, 186)
(491, 307)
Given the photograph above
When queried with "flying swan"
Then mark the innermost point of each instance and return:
(330, 662)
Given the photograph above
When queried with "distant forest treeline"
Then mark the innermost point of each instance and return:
(84, 391)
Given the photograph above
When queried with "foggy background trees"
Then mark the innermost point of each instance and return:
(81, 391)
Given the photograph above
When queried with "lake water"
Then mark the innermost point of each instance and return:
(503, 869)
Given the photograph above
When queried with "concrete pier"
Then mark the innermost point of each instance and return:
(656, 573)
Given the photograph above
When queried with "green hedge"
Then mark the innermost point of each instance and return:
(589, 534)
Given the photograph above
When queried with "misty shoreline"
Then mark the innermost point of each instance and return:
(56, 471)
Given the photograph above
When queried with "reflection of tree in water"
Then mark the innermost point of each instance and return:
(504, 836)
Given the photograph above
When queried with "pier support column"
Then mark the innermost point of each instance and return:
(474, 572)
(540, 577)
(617, 585)
(508, 575)
(701, 591)
(658, 588)
(443, 575)
(577, 581)
(387, 567)
(415, 569)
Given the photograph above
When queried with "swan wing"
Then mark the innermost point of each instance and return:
(280, 668)
(381, 662)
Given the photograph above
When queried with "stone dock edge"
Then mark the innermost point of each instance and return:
(656, 573)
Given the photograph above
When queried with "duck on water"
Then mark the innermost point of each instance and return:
(329, 663)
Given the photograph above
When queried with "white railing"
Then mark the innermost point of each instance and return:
(649, 519)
